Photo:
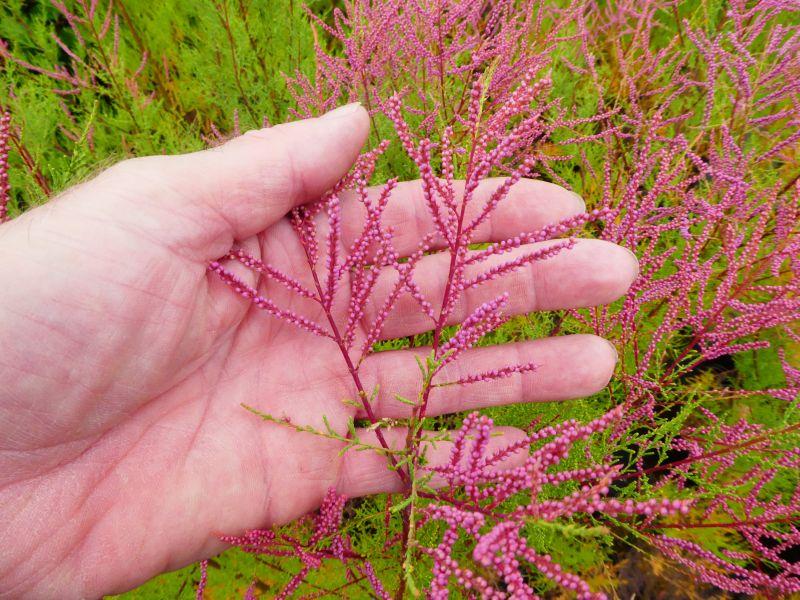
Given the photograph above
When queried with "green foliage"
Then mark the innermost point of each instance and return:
(179, 70)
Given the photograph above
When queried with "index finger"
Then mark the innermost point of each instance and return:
(530, 205)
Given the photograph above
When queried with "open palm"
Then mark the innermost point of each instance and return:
(124, 450)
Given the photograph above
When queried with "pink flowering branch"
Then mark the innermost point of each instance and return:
(5, 187)
(467, 89)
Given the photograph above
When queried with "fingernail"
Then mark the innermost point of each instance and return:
(614, 348)
(580, 202)
(342, 111)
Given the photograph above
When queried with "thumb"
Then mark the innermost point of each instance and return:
(243, 186)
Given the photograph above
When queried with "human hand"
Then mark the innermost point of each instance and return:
(124, 451)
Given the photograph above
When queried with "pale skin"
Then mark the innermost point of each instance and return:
(124, 449)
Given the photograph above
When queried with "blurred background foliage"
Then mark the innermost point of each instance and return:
(151, 78)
